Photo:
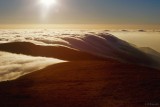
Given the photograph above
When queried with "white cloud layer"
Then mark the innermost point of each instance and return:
(13, 66)
(54, 37)
(91, 41)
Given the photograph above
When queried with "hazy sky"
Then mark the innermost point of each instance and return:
(81, 12)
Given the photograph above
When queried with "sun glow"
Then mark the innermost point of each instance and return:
(47, 6)
(48, 3)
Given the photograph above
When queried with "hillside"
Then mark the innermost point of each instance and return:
(84, 84)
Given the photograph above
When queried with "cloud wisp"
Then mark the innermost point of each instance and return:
(13, 66)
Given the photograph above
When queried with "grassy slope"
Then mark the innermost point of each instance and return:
(84, 84)
(59, 52)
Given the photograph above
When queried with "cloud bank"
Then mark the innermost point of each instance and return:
(95, 42)
(13, 66)
(92, 41)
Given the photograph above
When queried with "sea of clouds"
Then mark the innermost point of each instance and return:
(99, 42)
(140, 38)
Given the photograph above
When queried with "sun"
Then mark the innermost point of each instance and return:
(48, 6)
(48, 3)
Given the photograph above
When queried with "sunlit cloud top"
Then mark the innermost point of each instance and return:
(80, 11)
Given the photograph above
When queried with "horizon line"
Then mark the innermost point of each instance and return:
(80, 26)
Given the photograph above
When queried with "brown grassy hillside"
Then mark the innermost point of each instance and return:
(59, 52)
(84, 84)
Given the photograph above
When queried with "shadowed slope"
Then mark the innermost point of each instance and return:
(124, 52)
(59, 52)
(84, 84)
(107, 45)
(89, 46)
(150, 51)
(98, 44)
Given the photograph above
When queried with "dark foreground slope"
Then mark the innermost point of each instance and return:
(59, 52)
(84, 84)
